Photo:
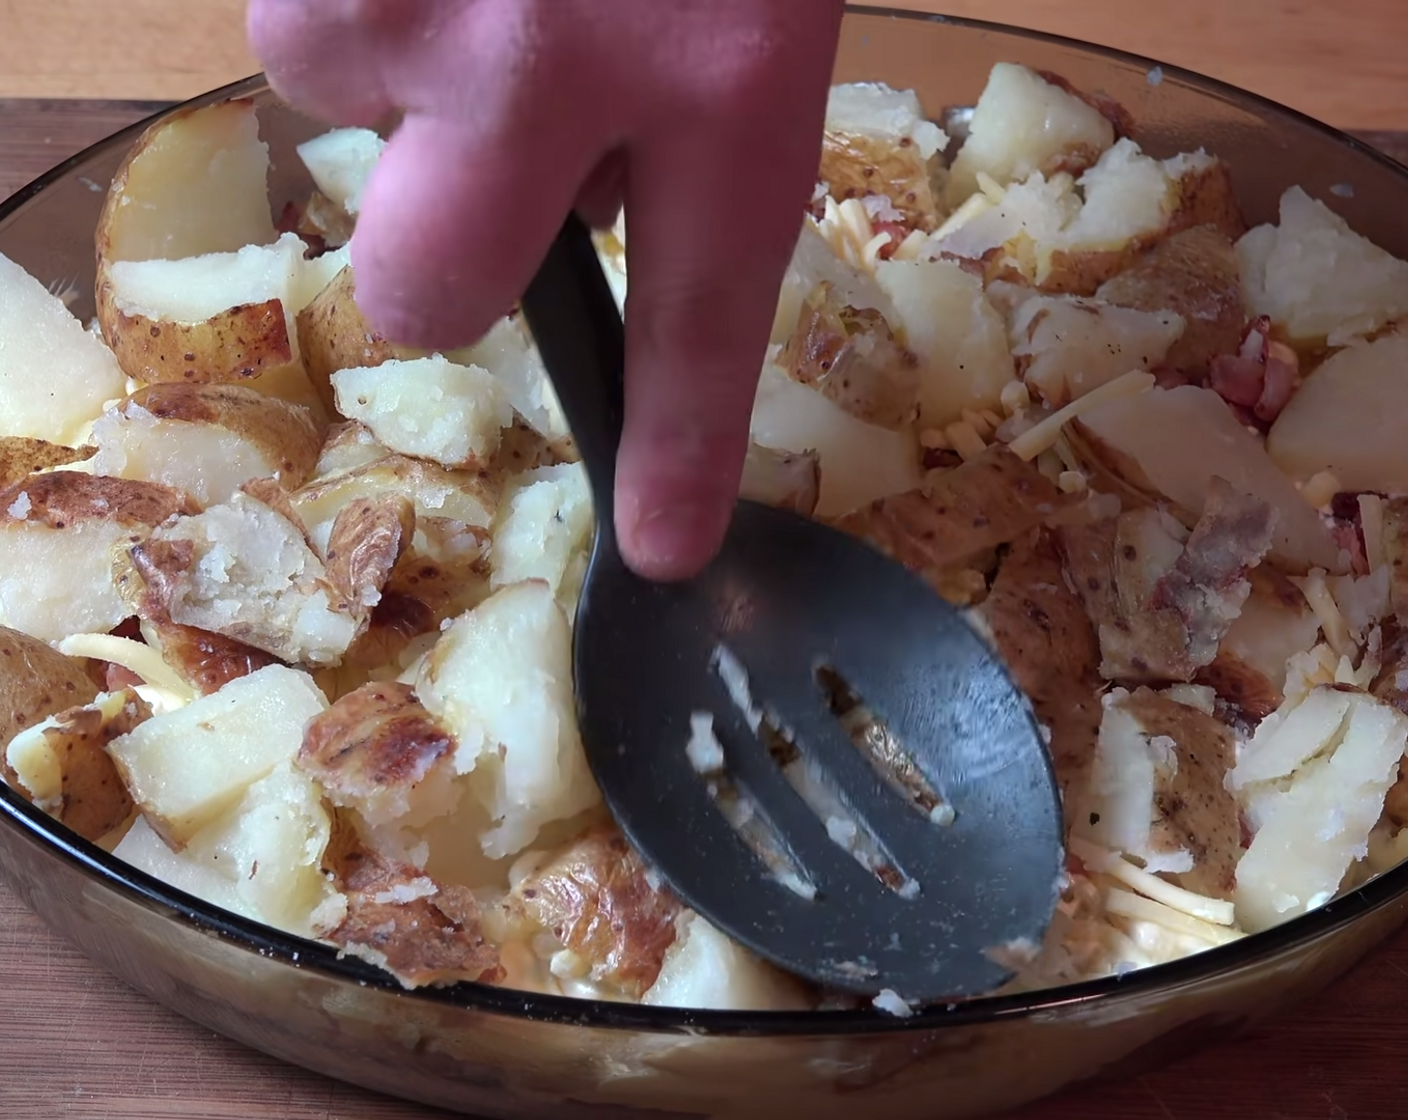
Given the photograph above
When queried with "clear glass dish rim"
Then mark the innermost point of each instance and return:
(169, 903)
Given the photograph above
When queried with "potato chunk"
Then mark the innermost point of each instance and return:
(60, 534)
(243, 570)
(859, 462)
(62, 765)
(1193, 274)
(1347, 418)
(500, 679)
(1022, 124)
(401, 920)
(341, 162)
(705, 969)
(1066, 346)
(1178, 439)
(1317, 278)
(1311, 832)
(960, 515)
(595, 899)
(195, 182)
(964, 360)
(333, 335)
(878, 143)
(544, 531)
(36, 681)
(185, 768)
(1157, 790)
(378, 750)
(55, 376)
(428, 407)
(207, 439)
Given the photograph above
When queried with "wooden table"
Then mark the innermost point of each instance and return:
(76, 1043)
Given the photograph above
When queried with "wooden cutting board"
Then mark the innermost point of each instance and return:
(77, 1044)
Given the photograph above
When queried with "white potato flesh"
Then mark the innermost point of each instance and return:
(1181, 438)
(1268, 633)
(1129, 766)
(186, 768)
(544, 531)
(57, 582)
(1312, 832)
(428, 407)
(1126, 193)
(508, 353)
(198, 186)
(707, 970)
(958, 335)
(1348, 419)
(1022, 124)
(341, 162)
(210, 463)
(55, 376)
(860, 462)
(254, 578)
(874, 109)
(145, 850)
(1075, 345)
(435, 492)
(500, 678)
(1317, 278)
(271, 844)
(814, 263)
(1289, 738)
(194, 289)
(1039, 208)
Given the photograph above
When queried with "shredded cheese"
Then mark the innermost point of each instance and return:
(1127, 904)
(1042, 437)
(1327, 611)
(136, 657)
(1371, 522)
(1212, 910)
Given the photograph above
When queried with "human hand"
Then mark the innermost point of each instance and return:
(704, 118)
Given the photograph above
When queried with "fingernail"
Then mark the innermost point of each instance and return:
(674, 541)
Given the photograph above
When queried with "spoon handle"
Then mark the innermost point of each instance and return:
(575, 321)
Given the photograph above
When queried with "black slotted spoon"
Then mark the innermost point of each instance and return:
(949, 898)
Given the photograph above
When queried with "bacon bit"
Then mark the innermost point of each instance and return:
(898, 231)
(1260, 380)
(118, 677)
(1348, 532)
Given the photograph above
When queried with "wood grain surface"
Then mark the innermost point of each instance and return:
(77, 1044)
(1343, 62)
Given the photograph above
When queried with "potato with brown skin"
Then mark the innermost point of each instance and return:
(435, 937)
(854, 165)
(1041, 630)
(237, 345)
(210, 437)
(1202, 196)
(60, 533)
(852, 358)
(961, 514)
(1194, 274)
(206, 661)
(36, 681)
(193, 183)
(333, 335)
(1195, 811)
(595, 898)
(374, 751)
(22, 456)
(368, 537)
(66, 770)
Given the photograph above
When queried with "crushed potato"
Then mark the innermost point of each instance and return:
(289, 607)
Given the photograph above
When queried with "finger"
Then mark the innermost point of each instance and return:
(455, 221)
(324, 55)
(599, 200)
(706, 260)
